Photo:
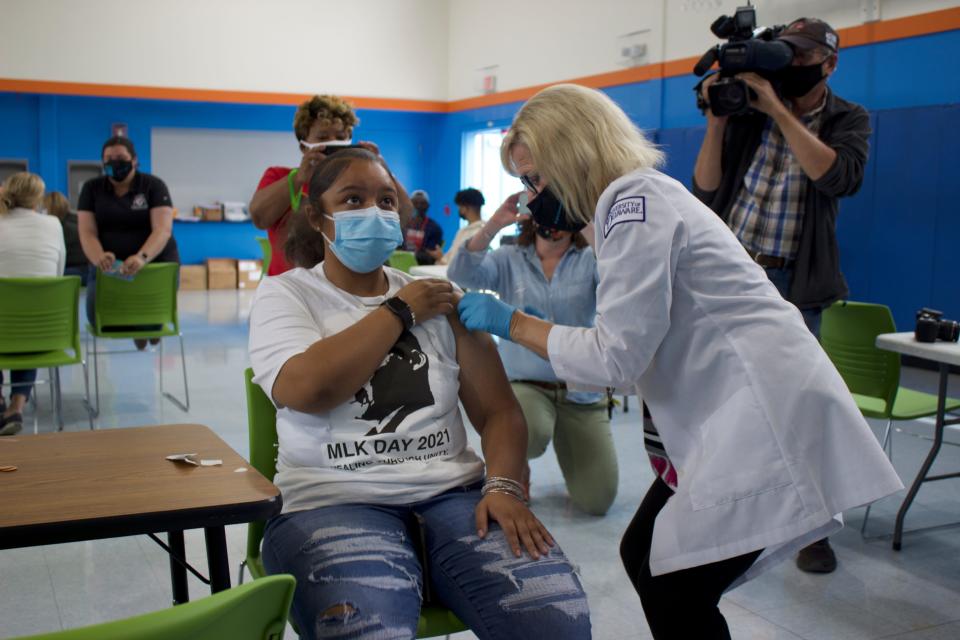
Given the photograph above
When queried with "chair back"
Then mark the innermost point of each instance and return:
(39, 315)
(262, 431)
(848, 333)
(267, 251)
(403, 260)
(257, 610)
(149, 299)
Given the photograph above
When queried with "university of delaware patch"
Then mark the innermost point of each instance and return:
(632, 209)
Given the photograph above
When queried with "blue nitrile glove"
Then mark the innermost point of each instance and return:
(483, 312)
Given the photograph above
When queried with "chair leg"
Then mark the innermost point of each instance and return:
(184, 406)
(887, 445)
(96, 374)
(33, 401)
(58, 402)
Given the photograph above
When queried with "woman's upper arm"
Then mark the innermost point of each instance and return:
(281, 327)
(86, 223)
(161, 218)
(484, 388)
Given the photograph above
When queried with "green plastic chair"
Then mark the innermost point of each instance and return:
(267, 251)
(255, 611)
(848, 333)
(262, 431)
(145, 307)
(403, 260)
(39, 330)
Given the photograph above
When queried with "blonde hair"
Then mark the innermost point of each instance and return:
(580, 141)
(21, 189)
(56, 204)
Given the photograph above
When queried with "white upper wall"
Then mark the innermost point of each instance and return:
(368, 48)
(540, 41)
(419, 49)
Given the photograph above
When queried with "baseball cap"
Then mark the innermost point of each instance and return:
(807, 33)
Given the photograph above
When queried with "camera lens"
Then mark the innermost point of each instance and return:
(949, 330)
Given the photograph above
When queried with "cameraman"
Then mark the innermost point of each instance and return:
(774, 175)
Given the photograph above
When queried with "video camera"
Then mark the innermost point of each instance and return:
(746, 49)
(932, 326)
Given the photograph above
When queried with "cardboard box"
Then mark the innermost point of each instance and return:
(193, 277)
(209, 213)
(221, 273)
(248, 273)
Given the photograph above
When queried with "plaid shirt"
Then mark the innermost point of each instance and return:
(768, 211)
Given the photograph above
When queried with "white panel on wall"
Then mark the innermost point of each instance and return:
(366, 48)
(542, 41)
(201, 166)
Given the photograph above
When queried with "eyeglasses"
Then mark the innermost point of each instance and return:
(530, 183)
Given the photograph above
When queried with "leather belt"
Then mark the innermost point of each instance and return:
(551, 386)
(769, 262)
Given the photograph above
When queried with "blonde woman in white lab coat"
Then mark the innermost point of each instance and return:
(762, 445)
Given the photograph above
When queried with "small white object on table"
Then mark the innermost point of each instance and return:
(429, 271)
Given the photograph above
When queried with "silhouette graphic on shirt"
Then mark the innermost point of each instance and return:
(398, 388)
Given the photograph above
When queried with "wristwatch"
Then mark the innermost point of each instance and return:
(402, 311)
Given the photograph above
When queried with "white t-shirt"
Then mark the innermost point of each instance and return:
(31, 245)
(400, 440)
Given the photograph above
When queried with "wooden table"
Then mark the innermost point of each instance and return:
(117, 482)
(944, 354)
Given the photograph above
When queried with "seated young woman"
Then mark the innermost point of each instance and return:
(382, 498)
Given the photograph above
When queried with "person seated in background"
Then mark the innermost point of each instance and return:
(421, 235)
(319, 120)
(31, 245)
(469, 202)
(367, 367)
(124, 216)
(57, 206)
(552, 273)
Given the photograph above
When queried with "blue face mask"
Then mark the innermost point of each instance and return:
(365, 239)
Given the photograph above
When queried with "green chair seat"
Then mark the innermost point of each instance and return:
(910, 404)
(262, 432)
(39, 360)
(254, 611)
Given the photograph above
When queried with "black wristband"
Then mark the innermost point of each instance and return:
(402, 310)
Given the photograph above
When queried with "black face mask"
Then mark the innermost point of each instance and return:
(118, 169)
(798, 81)
(549, 214)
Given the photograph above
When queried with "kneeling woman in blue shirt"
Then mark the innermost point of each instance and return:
(551, 272)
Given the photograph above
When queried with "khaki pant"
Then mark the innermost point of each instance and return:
(582, 439)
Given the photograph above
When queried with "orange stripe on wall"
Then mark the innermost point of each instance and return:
(883, 31)
(204, 95)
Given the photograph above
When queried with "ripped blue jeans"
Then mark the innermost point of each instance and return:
(359, 576)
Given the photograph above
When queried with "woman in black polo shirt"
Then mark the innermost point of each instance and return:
(126, 216)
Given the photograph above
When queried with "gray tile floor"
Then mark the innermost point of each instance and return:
(875, 593)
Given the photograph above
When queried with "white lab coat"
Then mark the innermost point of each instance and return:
(768, 444)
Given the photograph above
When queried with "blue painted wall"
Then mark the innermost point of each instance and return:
(896, 235)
